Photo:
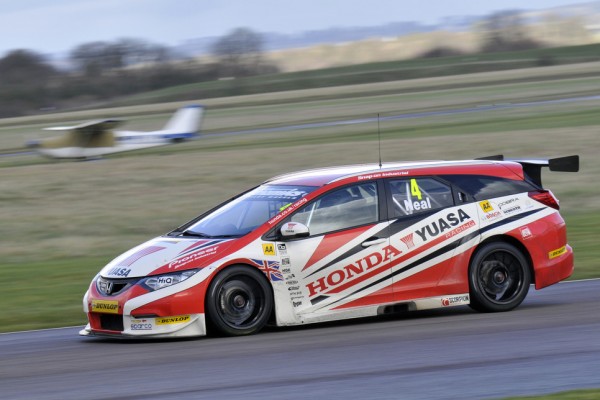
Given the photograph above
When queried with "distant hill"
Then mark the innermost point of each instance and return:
(338, 35)
(280, 41)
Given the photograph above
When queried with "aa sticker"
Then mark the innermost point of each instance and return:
(486, 206)
(557, 252)
(268, 249)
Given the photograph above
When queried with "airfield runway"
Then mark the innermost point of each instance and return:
(422, 114)
(371, 120)
(550, 343)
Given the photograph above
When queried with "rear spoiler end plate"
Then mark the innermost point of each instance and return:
(533, 166)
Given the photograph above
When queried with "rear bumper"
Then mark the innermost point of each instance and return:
(556, 269)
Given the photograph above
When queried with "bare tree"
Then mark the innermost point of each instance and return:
(239, 52)
(95, 58)
(24, 67)
(26, 82)
(137, 51)
(505, 31)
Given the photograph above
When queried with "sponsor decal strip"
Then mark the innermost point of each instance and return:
(334, 241)
(201, 244)
(455, 300)
(437, 253)
(356, 249)
(508, 220)
(408, 257)
(139, 254)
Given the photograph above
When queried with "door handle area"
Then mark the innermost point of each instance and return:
(373, 242)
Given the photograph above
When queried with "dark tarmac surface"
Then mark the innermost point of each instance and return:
(550, 343)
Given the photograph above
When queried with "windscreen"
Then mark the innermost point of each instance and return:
(248, 212)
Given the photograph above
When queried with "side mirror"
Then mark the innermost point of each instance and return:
(291, 230)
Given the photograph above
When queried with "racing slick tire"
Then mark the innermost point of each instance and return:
(499, 277)
(239, 301)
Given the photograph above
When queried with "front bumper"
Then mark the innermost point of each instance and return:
(176, 311)
(151, 327)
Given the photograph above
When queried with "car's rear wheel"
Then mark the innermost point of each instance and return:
(499, 277)
(239, 301)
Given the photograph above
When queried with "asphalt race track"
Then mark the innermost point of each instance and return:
(551, 343)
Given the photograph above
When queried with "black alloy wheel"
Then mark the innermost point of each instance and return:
(499, 277)
(239, 301)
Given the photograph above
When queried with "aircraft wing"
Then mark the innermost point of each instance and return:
(90, 127)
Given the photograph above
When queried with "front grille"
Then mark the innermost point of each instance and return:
(112, 287)
(111, 322)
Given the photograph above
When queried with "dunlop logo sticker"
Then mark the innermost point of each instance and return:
(557, 252)
(105, 306)
(173, 320)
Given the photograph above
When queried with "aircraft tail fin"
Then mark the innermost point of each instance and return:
(186, 120)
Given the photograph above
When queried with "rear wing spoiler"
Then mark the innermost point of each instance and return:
(533, 166)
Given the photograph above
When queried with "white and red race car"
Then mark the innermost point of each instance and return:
(343, 242)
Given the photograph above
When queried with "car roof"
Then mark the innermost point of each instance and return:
(323, 176)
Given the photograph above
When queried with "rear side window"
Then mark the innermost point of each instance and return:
(482, 187)
(418, 195)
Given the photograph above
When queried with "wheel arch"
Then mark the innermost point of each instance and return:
(512, 241)
(244, 264)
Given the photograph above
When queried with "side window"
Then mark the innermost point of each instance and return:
(487, 187)
(340, 209)
(418, 195)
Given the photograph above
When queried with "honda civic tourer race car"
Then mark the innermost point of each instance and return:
(343, 242)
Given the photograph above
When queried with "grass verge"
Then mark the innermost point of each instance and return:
(48, 294)
(587, 394)
(45, 294)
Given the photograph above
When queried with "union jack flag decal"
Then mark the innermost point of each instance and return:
(270, 269)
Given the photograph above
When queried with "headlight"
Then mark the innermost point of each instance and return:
(162, 281)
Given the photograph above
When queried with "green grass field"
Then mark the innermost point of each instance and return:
(388, 71)
(591, 394)
(62, 221)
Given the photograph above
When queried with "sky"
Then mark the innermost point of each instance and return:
(55, 26)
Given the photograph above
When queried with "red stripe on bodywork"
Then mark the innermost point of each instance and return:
(139, 254)
(381, 296)
(400, 259)
(196, 244)
(421, 285)
(334, 241)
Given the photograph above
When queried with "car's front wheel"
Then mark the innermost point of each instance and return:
(499, 277)
(239, 301)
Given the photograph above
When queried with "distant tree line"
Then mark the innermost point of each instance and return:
(500, 31)
(103, 71)
(107, 70)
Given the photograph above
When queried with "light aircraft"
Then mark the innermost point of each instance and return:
(96, 138)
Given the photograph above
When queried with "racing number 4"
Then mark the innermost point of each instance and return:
(414, 189)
